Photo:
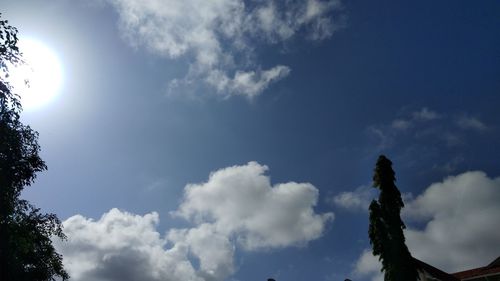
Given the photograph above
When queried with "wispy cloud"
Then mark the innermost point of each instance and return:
(425, 115)
(401, 124)
(471, 123)
(357, 200)
(424, 134)
(421, 116)
(417, 122)
(450, 165)
(236, 208)
(220, 37)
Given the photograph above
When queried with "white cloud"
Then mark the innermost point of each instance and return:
(384, 137)
(358, 199)
(462, 222)
(236, 207)
(425, 114)
(416, 123)
(419, 134)
(471, 123)
(450, 165)
(368, 266)
(122, 246)
(422, 115)
(220, 36)
(280, 20)
(249, 83)
(214, 250)
(241, 201)
(401, 124)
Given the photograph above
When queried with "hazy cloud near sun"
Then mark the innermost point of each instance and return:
(462, 221)
(237, 208)
(220, 37)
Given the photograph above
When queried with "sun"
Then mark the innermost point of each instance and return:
(42, 70)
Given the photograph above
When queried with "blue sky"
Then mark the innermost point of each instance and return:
(187, 116)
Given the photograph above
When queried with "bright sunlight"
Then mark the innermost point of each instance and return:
(43, 72)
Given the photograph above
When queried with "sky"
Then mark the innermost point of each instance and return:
(236, 140)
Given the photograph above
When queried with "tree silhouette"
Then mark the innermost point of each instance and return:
(386, 227)
(26, 250)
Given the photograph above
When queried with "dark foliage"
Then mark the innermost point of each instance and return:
(386, 227)
(26, 251)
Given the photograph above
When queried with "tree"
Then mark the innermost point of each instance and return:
(386, 227)
(26, 250)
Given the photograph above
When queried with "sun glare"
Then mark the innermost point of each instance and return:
(43, 72)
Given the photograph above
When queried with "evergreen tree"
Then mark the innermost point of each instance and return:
(386, 227)
(26, 250)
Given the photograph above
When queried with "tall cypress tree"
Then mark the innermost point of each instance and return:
(386, 227)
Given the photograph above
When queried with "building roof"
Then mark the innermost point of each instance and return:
(437, 273)
(492, 268)
(495, 263)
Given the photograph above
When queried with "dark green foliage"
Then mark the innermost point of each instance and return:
(386, 227)
(26, 251)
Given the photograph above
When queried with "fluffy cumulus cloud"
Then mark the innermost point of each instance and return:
(122, 246)
(241, 201)
(220, 37)
(461, 215)
(463, 222)
(236, 208)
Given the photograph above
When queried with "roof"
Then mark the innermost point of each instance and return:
(495, 263)
(437, 273)
(493, 267)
